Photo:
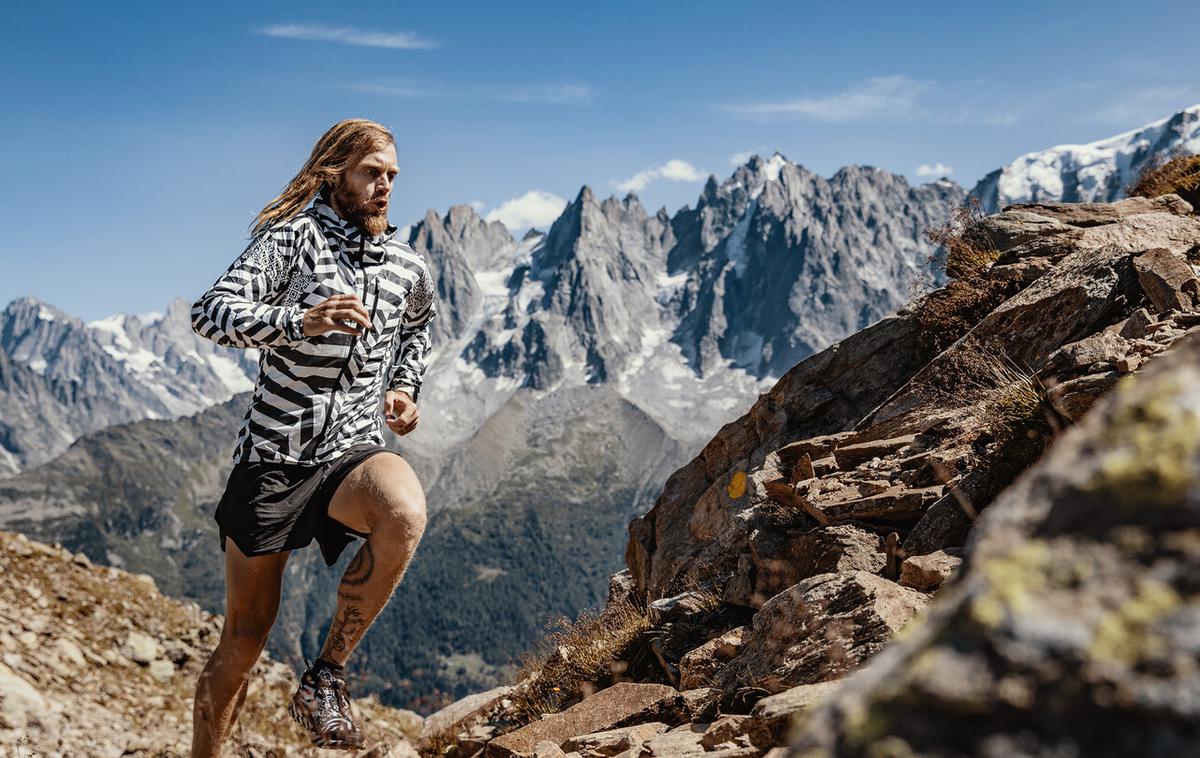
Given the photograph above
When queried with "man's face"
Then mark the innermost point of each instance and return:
(362, 193)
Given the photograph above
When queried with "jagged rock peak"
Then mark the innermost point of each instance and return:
(27, 305)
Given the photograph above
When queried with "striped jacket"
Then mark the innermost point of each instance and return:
(315, 397)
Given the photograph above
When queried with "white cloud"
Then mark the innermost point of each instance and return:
(935, 169)
(534, 208)
(673, 170)
(548, 94)
(345, 36)
(1148, 103)
(879, 97)
(478, 205)
(739, 159)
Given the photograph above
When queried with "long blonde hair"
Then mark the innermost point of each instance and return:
(343, 145)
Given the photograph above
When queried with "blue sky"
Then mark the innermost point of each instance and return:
(141, 138)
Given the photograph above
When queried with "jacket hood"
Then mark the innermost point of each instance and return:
(356, 243)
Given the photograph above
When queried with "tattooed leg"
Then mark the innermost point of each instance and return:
(383, 498)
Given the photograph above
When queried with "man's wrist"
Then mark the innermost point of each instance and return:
(410, 391)
(293, 323)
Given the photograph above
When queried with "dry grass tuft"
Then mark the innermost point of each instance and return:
(575, 656)
(1011, 398)
(1176, 173)
(945, 315)
(968, 251)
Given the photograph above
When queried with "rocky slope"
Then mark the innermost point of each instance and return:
(95, 662)
(815, 528)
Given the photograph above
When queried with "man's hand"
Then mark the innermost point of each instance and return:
(330, 314)
(401, 412)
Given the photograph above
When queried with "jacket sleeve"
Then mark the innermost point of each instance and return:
(415, 337)
(231, 312)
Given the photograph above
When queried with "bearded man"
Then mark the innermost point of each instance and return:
(325, 293)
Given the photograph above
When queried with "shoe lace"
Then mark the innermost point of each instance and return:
(331, 693)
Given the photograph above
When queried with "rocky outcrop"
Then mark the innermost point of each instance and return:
(1074, 623)
(96, 662)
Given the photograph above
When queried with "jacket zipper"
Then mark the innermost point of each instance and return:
(349, 355)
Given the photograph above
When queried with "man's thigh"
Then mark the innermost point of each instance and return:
(252, 589)
(375, 489)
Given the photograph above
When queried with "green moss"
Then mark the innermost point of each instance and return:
(1147, 449)
(865, 725)
(1124, 635)
(1012, 582)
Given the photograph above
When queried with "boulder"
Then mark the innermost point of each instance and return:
(1075, 397)
(593, 714)
(852, 455)
(772, 717)
(1103, 348)
(20, 702)
(927, 572)
(1015, 227)
(896, 505)
(1098, 214)
(1137, 325)
(817, 630)
(141, 648)
(680, 742)
(697, 667)
(1167, 280)
(612, 741)
(461, 714)
(947, 522)
(779, 558)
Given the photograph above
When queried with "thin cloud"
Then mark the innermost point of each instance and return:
(1148, 104)
(544, 94)
(935, 169)
(673, 170)
(534, 208)
(343, 35)
(877, 98)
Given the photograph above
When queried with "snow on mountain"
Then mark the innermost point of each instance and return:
(66, 377)
(1093, 172)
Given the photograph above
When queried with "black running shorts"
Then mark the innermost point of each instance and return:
(271, 507)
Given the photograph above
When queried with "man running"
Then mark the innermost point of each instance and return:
(325, 292)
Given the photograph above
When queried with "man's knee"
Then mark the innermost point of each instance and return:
(398, 501)
(247, 635)
(402, 515)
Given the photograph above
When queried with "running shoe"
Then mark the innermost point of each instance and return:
(322, 706)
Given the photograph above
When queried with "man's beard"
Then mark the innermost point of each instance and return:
(360, 214)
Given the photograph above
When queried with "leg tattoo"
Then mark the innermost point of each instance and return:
(344, 628)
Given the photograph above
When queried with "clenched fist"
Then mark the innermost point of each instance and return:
(330, 316)
(401, 412)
